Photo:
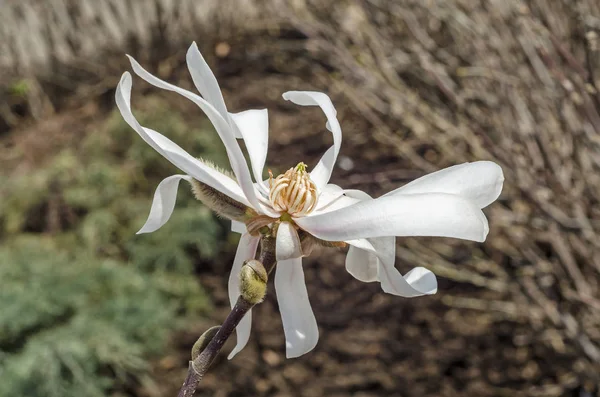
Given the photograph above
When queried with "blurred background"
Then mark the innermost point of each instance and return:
(88, 308)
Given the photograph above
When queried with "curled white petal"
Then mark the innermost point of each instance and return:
(246, 250)
(225, 131)
(422, 279)
(361, 264)
(299, 323)
(322, 171)
(417, 282)
(434, 214)
(253, 126)
(172, 152)
(480, 181)
(287, 243)
(163, 203)
(366, 255)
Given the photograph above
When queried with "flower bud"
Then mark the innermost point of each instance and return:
(204, 340)
(253, 282)
(221, 203)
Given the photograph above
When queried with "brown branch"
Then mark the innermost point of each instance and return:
(198, 367)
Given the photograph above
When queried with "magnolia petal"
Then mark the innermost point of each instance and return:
(246, 250)
(339, 199)
(357, 194)
(172, 152)
(433, 214)
(299, 323)
(287, 242)
(422, 279)
(480, 182)
(163, 203)
(253, 126)
(322, 171)
(361, 264)
(419, 281)
(364, 257)
(340, 202)
(236, 157)
(205, 81)
(238, 227)
(328, 194)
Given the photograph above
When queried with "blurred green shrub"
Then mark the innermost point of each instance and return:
(85, 302)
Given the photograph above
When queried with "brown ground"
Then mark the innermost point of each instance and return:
(418, 85)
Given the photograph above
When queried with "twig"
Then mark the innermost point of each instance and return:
(198, 367)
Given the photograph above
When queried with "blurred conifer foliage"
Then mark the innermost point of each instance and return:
(85, 301)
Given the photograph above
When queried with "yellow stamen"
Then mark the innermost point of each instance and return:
(293, 192)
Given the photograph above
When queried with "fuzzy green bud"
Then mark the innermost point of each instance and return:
(204, 340)
(221, 203)
(253, 282)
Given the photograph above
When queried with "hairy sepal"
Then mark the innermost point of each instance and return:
(221, 203)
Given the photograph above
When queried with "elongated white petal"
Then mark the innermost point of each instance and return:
(163, 203)
(246, 250)
(238, 227)
(299, 323)
(322, 172)
(236, 157)
(417, 282)
(480, 182)
(205, 81)
(253, 126)
(172, 152)
(434, 214)
(287, 244)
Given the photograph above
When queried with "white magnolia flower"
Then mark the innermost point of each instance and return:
(303, 206)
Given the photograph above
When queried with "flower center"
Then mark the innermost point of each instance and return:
(293, 192)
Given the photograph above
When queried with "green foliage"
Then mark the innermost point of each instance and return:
(19, 88)
(86, 301)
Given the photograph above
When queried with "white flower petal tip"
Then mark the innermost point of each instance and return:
(480, 181)
(253, 128)
(163, 203)
(322, 171)
(287, 242)
(205, 80)
(299, 323)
